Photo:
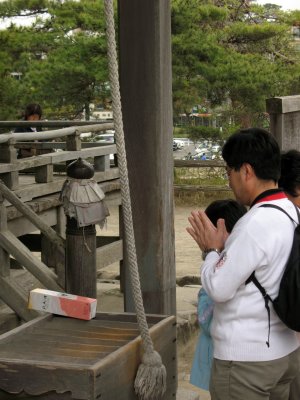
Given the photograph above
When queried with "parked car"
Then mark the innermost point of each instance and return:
(201, 150)
(175, 146)
(180, 143)
(215, 148)
(105, 138)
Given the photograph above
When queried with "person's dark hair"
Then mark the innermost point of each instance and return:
(230, 210)
(289, 179)
(256, 147)
(32, 109)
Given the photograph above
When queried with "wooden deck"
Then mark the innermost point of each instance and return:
(30, 204)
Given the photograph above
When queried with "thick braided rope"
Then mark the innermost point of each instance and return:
(122, 162)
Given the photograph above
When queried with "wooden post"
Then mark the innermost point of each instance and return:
(81, 268)
(73, 142)
(44, 174)
(8, 154)
(146, 92)
(102, 163)
(285, 121)
(4, 255)
(81, 272)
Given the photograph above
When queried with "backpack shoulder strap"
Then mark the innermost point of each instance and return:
(267, 298)
(268, 205)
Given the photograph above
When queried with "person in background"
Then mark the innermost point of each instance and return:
(289, 181)
(33, 112)
(203, 157)
(255, 357)
(231, 211)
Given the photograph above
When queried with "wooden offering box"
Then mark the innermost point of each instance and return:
(58, 358)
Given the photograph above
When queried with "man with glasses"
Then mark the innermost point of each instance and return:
(254, 359)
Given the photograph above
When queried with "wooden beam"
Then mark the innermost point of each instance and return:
(51, 158)
(57, 145)
(38, 269)
(199, 188)
(109, 254)
(35, 219)
(38, 205)
(29, 192)
(15, 297)
(59, 133)
(83, 153)
(29, 162)
(283, 105)
(56, 124)
(199, 163)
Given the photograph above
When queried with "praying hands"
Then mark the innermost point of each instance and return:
(205, 234)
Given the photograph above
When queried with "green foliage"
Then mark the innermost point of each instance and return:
(233, 55)
(227, 54)
(196, 133)
(62, 58)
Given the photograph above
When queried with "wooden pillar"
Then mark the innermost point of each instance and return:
(81, 268)
(146, 91)
(285, 121)
(4, 256)
(81, 271)
(73, 142)
(8, 154)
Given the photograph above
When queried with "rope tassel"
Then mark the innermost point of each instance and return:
(150, 382)
(151, 379)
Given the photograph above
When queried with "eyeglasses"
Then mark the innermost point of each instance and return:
(228, 170)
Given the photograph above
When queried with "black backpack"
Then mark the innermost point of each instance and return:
(287, 303)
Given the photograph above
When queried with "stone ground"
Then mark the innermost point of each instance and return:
(187, 265)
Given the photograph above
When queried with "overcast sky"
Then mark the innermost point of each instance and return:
(285, 4)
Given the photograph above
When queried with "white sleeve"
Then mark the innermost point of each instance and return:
(222, 276)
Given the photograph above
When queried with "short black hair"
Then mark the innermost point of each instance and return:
(230, 210)
(289, 179)
(32, 109)
(256, 147)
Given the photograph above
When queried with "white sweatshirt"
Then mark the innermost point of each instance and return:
(261, 241)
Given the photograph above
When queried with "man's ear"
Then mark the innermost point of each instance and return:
(247, 171)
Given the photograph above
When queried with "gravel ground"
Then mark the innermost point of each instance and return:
(188, 256)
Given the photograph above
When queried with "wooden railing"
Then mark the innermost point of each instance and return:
(215, 166)
(30, 202)
(10, 165)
